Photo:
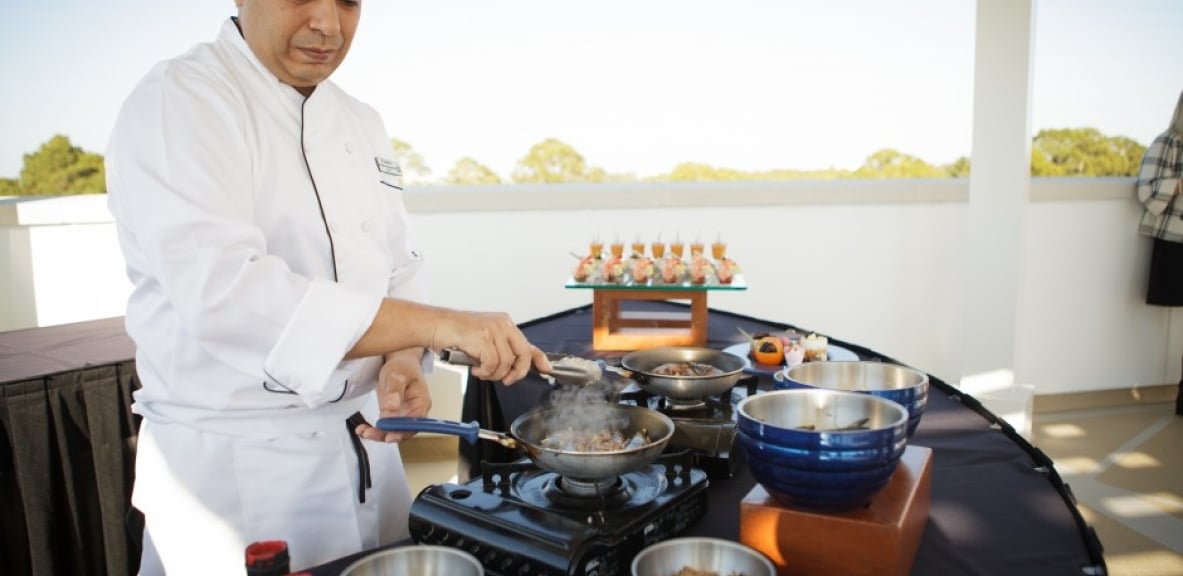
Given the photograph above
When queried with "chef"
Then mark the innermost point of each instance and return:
(279, 299)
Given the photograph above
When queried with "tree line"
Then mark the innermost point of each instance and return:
(58, 167)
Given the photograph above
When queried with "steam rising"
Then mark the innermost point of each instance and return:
(586, 410)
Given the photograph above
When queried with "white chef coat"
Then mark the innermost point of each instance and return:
(261, 229)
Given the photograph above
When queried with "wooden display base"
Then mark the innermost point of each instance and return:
(616, 329)
(879, 539)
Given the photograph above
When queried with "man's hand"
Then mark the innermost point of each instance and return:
(494, 340)
(402, 392)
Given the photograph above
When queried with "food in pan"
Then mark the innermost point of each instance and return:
(591, 367)
(686, 369)
(688, 571)
(603, 440)
(860, 424)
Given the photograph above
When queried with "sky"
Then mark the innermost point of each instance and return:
(636, 86)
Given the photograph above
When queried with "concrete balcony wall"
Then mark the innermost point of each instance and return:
(875, 262)
(61, 261)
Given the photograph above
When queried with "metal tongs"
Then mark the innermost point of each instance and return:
(562, 374)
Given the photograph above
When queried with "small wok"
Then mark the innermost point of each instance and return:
(643, 363)
(528, 430)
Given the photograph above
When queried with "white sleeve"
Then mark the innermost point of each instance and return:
(181, 193)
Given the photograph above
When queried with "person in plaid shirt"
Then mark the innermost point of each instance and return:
(1159, 184)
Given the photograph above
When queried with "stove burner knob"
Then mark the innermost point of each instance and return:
(459, 542)
(506, 564)
(489, 558)
(525, 570)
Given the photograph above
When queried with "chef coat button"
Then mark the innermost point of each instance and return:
(365, 226)
(348, 148)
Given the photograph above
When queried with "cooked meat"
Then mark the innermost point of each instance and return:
(572, 440)
(688, 571)
(686, 369)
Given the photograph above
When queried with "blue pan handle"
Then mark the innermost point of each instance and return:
(469, 431)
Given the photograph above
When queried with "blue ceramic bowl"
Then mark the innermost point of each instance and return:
(821, 449)
(906, 386)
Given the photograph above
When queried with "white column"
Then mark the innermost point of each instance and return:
(999, 188)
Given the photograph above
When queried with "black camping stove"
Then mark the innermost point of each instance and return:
(706, 427)
(518, 520)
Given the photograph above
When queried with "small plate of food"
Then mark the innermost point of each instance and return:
(767, 353)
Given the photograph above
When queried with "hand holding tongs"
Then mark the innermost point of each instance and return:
(563, 374)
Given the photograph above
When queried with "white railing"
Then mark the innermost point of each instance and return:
(879, 263)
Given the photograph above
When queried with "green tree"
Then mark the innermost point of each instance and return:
(698, 172)
(959, 168)
(553, 161)
(415, 170)
(59, 167)
(888, 163)
(469, 171)
(10, 187)
(1084, 152)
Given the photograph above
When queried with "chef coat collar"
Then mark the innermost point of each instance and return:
(232, 34)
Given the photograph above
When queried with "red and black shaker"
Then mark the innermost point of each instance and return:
(267, 558)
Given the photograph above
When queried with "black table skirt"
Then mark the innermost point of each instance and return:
(67, 447)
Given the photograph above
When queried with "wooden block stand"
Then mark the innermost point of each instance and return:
(617, 329)
(879, 539)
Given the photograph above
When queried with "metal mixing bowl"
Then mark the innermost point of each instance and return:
(822, 449)
(901, 384)
(417, 561)
(711, 554)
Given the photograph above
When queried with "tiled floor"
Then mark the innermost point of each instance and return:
(429, 459)
(1124, 467)
(1122, 463)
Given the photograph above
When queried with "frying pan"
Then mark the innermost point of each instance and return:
(642, 364)
(528, 430)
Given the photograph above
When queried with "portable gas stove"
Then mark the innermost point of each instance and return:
(706, 427)
(518, 519)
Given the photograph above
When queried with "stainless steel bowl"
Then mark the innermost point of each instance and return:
(710, 554)
(417, 561)
(907, 386)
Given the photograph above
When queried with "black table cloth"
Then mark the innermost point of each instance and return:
(67, 442)
(998, 504)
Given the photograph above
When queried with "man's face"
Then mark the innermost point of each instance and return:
(300, 41)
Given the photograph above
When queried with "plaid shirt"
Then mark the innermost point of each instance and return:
(1158, 188)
